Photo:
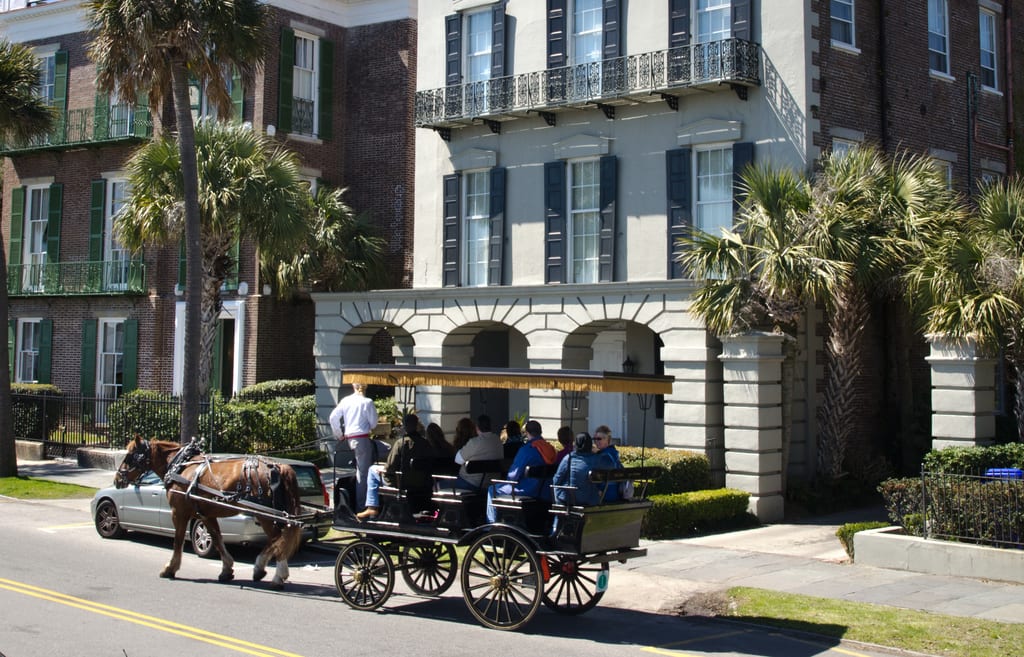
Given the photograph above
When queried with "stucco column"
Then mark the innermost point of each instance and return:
(963, 393)
(752, 394)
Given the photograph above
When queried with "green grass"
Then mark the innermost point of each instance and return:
(919, 631)
(40, 489)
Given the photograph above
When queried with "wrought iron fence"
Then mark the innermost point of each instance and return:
(728, 60)
(90, 125)
(983, 509)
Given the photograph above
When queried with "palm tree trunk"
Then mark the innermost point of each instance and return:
(837, 417)
(193, 251)
(8, 453)
(210, 316)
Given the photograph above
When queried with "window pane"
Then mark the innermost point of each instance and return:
(714, 190)
(585, 220)
(477, 230)
(47, 73)
(587, 27)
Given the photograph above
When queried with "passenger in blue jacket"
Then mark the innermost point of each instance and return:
(604, 445)
(574, 473)
(535, 451)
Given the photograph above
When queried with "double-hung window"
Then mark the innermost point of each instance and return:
(304, 85)
(109, 363)
(938, 36)
(117, 259)
(477, 226)
(714, 189)
(479, 42)
(587, 28)
(842, 22)
(27, 357)
(987, 33)
(584, 220)
(47, 77)
(713, 20)
(36, 237)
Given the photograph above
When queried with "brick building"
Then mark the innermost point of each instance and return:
(562, 145)
(88, 316)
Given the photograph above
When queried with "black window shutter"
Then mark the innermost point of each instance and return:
(451, 227)
(678, 23)
(453, 49)
(554, 222)
(741, 19)
(325, 100)
(557, 49)
(611, 33)
(498, 41)
(678, 165)
(606, 240)
(286, 73)
(45, 351)
(742, 155)
(497, 244)
(87, 370)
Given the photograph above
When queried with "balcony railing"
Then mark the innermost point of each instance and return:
(103, 277)
(89, 126)
(633, 77)
(302, 116)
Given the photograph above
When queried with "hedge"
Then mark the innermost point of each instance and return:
(267, 426)
(846, 532)
(29, 421)
(684, 514)
(684, 470)
(974, 460)
(278, 388)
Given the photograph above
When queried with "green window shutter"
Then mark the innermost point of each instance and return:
(182, 265)
(12, 329)
(140, 119)
(60, 80)
(97, 221)
(101, 117)
(53, 223)
(45, 350)
(136, 272)
(217, 362)
(130, 362)
(237, 97)
(285, 73)
(325, 104)
(87, 370)
(18, 197)
(231, 282)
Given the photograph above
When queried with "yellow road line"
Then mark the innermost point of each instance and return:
(153, 622)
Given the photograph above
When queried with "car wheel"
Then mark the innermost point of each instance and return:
(202, 541)
(108, 525)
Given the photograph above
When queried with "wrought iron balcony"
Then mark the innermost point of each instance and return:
(104, 277)
(302, 116)
(79, 127)
(645, 77)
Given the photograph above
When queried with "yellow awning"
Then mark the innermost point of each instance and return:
(498, 377)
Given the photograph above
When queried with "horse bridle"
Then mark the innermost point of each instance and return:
(138, 460)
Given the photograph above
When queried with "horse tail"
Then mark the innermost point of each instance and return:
(291, 536)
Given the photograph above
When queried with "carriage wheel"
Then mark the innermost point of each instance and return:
(501, 581)
(573, 587)
(429, 568)
(364, 575)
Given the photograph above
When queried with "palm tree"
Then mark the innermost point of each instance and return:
(249, 188)
(152, 47)
(23, 115)
(970, 283)
(341, 250)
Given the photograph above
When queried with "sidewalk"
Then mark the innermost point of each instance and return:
(804, 558)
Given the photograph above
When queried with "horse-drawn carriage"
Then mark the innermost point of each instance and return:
(557, 554)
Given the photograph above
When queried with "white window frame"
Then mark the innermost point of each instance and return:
(990, 49)
(204, 109)
(703, 206)
(109, 355)
(945, 168)
(476, 213)
(582, 31)
(121, 116)
(47, 76)
(852, 23)
(716, 11)
(841, 147)
(116, 258)
(933, 20)
(306, 75)
(36, 232)
(477, 48)
(584, 264)
(989, 176)
(27, 349)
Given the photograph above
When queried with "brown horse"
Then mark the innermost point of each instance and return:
(196, 477)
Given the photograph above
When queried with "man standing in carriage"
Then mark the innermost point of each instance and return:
(355, 418)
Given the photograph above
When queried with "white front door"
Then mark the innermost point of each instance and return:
(608, 407)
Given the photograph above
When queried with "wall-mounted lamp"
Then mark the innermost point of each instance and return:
(628, 366)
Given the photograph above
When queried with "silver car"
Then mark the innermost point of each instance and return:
(142, 507)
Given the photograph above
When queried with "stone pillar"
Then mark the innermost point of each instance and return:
(752, 393)
(963, 393)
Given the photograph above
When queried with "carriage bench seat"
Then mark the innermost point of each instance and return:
(447, 491)
(398, 501)
(529, 512)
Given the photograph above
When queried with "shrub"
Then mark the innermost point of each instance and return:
(684, 514)
(267, 426)
(988, 512)
(34, 417)
(685, 471)
(846, 532)
(974, 460)
(902, 499)
(293, 388)
(388, 411)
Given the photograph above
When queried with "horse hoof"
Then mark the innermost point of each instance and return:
(275, 586)
(257, 575)
(167, 575)
(225, 577)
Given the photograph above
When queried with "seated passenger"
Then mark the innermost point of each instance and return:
(603, 444)
(513, 441)
(416, 482)
(535, 451)
(565, 439)
(574, 471)
(484, 446)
